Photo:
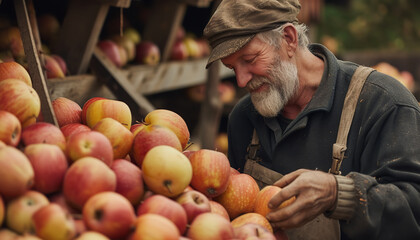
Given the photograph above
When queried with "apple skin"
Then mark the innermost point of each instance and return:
(211, 172)
(7, 234)
(21, 100)
(179, 51)
(72, 128)
(166, 171)
(194, 203)
(129, 180)
(240, 195)
(110, 214)
(135, 128)
(14, 70)
(147, 53)
(86, 106)
(53, 68)
(11, 129)
(12, 40)
(60, 199)
(49, 164)
(61, 62)
(253, 231)
(127, 44)
(51, 222)
(264, 196)
(218, 208)
(151, 136)
(154, 226)
(252, 217)
(210, 226)
(85, 178)
(19, 210)
(89, 144)
(66, 111)
(91, 235)
(132, 34)
(103, 108)
(43, 132)
(120, 137)
(111, 50)
(16, 176)
(166, 207)
(172, 121)
(1, 211)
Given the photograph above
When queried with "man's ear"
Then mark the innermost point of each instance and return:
(291, 38)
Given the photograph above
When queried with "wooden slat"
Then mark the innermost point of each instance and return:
(198, 3)
(34, 64)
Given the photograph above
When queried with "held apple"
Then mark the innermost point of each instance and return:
(21, 100)
(20, 210)
(154, 226)
(109, 213)
(14, 70)
(11, 129)
(43, 132)
(194, 203)
(50, 165)
(166, 207)
(103, 108)
(148, 53)
(129, 180)
(211, 172)
(264, 196)
(166, 171)
(210, 226)
(66, 111)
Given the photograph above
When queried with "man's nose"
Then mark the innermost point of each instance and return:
(243, 76)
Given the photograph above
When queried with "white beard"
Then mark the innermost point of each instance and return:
(282, 83)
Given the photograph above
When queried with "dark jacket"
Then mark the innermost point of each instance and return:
(383, 147)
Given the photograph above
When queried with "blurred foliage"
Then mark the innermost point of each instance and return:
(372, 24)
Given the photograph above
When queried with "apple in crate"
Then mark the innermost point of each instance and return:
(166, 171)
(72, 128)
(61, 62)
(51, 222)
(129, 180)
(120, 137)
(11, 129)
(20, 210)
(253, 231)
(66, 111)
(85, 178)
(17, 176)
(110, 214)
(154, 226)
(44, 132)
(111, 51)
(211, 172)
(194, 203)
(14, 70)
(53, 68)
(102, 108)
(210, 226)
(148, 53)
(127, 44)
(50, 165)
(179, 51)
(90, 144)
(21, 100)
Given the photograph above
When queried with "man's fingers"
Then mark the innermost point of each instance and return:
(288, 178)
(280, 197)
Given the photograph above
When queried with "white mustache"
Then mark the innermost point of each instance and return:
(255, 83)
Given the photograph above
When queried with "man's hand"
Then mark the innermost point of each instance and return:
(315, 193)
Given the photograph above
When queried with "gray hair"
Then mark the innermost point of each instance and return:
(272, 37)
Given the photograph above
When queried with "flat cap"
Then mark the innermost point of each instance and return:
(236, 22)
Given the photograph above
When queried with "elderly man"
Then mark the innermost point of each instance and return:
(353, 163)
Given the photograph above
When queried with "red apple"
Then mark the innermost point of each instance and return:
(86, 106)
(166, 171)
(85, 178)
(21, 100)
(240, 195)
(72, 128)
(17, 176)
(110, 214)
(219, 209)
(90, 144)
(11, 130)
(166, 207)
(211, 172)
(14, 70)
(120, 137)
(66, 111)
(111, 50)
(147, 53)
(51, 222)
(210, 226)
(50, 165)
(53, 68)
(252, 217)
(60, 199)
(253, 231)
(103, 108)
(129, 180)
(234, 171)
(61, 62)
(20, 210)
(127, 44)
(171, 120)
(264, 196)
(180, 33)
(154, 226)
(43, 132)
(92, 235)
(135, 128)
(179, 51)
(194, 203)
(188, 152)
(151, 136)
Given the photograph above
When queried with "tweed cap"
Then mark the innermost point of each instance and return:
(236, 22)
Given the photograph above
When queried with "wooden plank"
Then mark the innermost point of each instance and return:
(34, 64)
(80, 33)
(118, 83)
(198, 3)
(164, 21)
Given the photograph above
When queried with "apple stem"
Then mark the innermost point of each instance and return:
(98, 214)
(168, 184)
(211, 191)
(257, 233)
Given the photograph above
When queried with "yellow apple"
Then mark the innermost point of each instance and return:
(103, 108)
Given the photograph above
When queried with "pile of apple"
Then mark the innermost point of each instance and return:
(98, 176)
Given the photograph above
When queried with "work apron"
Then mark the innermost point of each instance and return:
(320, 228)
